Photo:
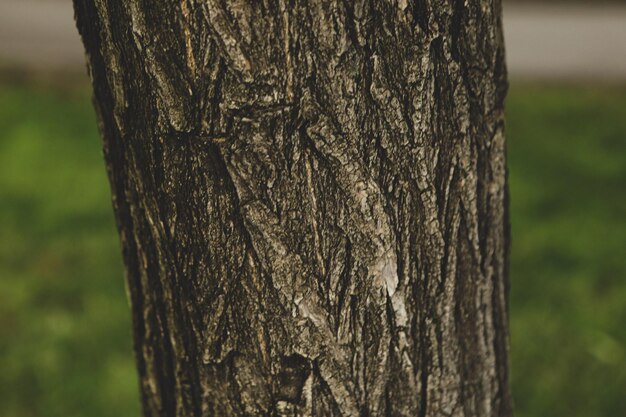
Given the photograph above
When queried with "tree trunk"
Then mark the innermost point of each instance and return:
(311, 200)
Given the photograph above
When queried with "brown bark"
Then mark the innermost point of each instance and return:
(311, 200)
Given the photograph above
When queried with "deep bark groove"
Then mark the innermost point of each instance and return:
(311, 200)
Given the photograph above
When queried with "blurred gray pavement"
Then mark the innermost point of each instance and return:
(542, 42)
(566, 41)
(40, 35)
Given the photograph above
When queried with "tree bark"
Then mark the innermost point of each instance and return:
(311, 200)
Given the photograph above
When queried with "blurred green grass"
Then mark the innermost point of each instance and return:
(65, 338)
(567, 161)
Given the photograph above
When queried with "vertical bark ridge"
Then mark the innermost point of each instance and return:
(311, 200)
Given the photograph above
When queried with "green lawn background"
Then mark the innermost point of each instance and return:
(65, 338)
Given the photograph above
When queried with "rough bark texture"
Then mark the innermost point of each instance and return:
(311, 199)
